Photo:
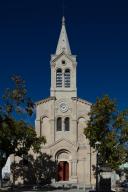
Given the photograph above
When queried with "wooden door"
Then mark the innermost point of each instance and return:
(66, 171)
(60, 171)
(63, 171)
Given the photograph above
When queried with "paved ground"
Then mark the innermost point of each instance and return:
(50, 190)
(45, 189)
(60, 190)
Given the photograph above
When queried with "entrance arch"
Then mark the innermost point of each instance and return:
(63, 171)
(63, 158)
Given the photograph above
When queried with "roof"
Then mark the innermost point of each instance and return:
(82, 100)
(63, 43)
(45, 100)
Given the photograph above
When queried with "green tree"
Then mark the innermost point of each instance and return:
(42, 169)
(17, 136)
(110, 127)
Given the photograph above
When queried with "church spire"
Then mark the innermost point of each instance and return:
(63, 43)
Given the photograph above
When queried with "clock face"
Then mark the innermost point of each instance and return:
(63, 107)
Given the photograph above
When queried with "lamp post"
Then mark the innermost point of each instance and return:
(97, 164)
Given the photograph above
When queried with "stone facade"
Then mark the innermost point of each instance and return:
(63, 116)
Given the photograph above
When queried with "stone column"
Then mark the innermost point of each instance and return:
(52, 127)
(38, 127)
(74, 130)
(74, 168)
(63, 124)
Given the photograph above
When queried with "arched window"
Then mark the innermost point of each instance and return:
(59, 78)
(67, 124)
(59, 124)
(67, 78)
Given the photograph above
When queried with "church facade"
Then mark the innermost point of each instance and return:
(62, 117)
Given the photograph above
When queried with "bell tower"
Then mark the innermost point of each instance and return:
(63, 68)
(62, 118)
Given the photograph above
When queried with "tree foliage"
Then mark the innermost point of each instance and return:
(42, 169)
(17, 136)
(110, 127)
(15, 99)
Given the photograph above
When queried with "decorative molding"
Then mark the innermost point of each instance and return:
(59, 141)
(63, 155)
(70, 57)
(45, 100)
(81, 100)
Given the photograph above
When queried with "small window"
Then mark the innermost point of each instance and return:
(59, 78)
(63, 62)
(67, 123)
(67, 78)
(59, 124)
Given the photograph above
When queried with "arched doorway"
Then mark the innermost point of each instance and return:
(63, 171)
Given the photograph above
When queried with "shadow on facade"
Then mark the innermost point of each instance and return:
(39, 171)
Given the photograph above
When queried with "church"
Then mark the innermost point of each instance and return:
(62, 117)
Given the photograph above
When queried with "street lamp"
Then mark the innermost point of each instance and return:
(97, 164)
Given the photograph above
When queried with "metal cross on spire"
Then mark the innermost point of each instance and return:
(63, 8)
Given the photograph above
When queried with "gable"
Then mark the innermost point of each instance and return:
(62, 144)
(54, 58)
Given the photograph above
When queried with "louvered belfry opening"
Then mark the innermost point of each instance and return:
(67, 78)
(59, 78)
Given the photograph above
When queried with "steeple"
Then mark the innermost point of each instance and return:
(63, 43)
(63, 69)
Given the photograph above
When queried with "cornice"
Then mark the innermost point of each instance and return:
(81, 100)
(45, 100)
(70, 57)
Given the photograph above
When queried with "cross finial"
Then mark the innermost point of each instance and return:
(63, 20)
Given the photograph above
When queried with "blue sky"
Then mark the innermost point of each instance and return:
(98, 35)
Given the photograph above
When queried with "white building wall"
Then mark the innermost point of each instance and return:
(6, 169)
